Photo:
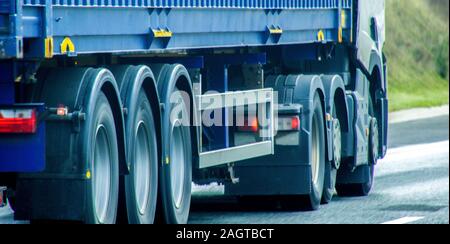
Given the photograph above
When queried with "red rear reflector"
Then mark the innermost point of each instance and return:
(18, 121)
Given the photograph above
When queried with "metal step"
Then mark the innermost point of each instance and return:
(238, 99)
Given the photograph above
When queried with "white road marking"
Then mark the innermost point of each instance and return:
(404, 220)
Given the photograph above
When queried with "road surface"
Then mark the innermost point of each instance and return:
(411, 186)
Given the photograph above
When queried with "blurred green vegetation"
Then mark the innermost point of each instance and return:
(417, 48)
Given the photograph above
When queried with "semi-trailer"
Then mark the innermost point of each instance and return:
(110, 109)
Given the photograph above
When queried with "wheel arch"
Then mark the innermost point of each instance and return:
(335, 94)
(305, 89)
(378, 91)
(376, 71)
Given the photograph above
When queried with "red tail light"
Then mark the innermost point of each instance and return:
(18, 121)
(289, 123)
(250, 125)
(295, 123)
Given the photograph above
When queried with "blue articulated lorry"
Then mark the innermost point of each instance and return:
(110, 109)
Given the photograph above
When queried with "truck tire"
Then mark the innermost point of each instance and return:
(313, 199)
(317, 155)
(103, 187)
(141, 185)
(363, 189)
(332, 167)
(357, 190)
(176, 169)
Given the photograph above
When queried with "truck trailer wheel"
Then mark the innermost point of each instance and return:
(317, 176)
(363, 189)
(317, 155)
(141, 185)
(103, 187)
(176, 170)
(332, 167)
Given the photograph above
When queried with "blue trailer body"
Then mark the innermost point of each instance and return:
(38, 28)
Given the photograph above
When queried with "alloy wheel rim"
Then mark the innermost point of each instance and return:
(101, 173)
(177, 164)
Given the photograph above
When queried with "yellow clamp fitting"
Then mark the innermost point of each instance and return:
(161, 33)
(67, 46)
(321, 36)
(343, 18)
(340, 38)
(48, 47)
(341, 27)
(275, 31)
(88, 174)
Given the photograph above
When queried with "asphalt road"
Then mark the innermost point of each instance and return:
(411, 186)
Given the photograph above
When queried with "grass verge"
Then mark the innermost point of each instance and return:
(417, 49)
